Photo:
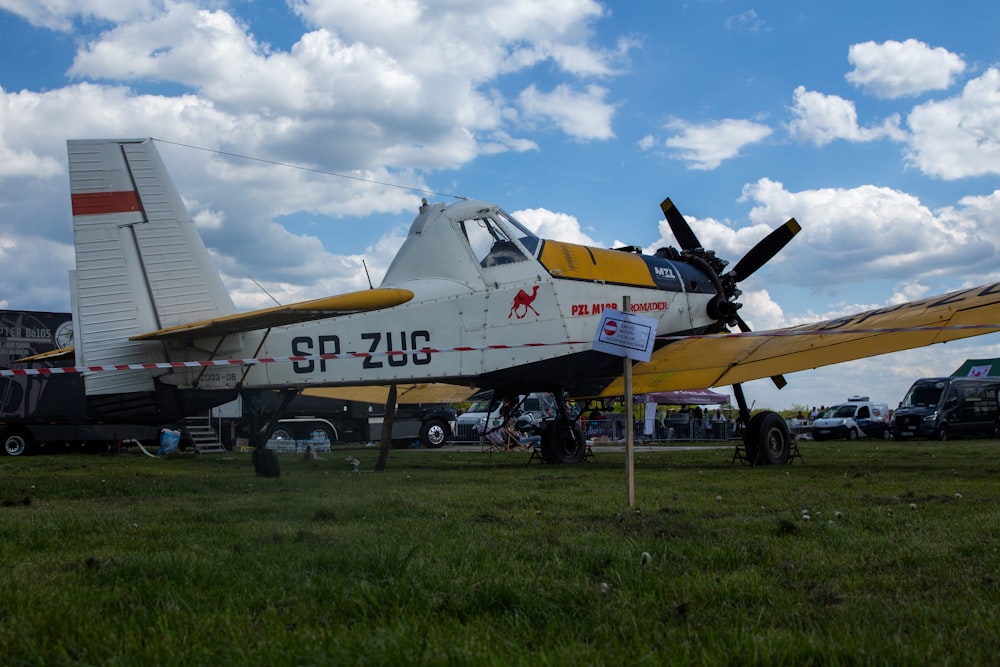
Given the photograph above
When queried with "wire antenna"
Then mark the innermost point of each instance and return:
(370, 286)
(315, 171)
(264, 290)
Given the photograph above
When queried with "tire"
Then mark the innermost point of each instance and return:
(886, 433)
(434, 433)
(562, 445)
(767, 439)
(852, 434)
(322, 432)
(17, 443)
(942, 433)
(995, 433)
(281, 433)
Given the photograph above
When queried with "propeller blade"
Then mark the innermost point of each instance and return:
(767, 248)
(679, 226)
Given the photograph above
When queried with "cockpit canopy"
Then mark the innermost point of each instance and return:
(460, 242)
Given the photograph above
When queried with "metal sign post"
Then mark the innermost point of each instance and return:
(630, 337)
(629, 444)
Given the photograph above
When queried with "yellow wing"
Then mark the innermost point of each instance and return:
(304, 311)
(405, 393)
(720, 361)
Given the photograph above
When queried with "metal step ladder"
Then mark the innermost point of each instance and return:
(201, 434)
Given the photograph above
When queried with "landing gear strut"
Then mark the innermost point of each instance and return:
(563, 440)
(766, 437)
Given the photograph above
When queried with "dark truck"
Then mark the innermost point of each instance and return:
(942, 408)
(49, 411)
(319, 418)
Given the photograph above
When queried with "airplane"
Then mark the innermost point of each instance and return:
(472, 299)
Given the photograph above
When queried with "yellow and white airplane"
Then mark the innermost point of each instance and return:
(472, 299)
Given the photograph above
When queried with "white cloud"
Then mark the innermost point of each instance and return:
(59, 14)
(959, 137)
(856, 235)
(582, 115)
(820, 119)
(552, 225)
(898, 69)
(748, 21)
(707, 145)
(852, 237)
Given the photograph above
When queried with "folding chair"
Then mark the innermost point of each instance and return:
(536, 454)
(495, 440)
(795, 453)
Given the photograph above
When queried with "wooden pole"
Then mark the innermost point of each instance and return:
(629, 445)
(386, 442)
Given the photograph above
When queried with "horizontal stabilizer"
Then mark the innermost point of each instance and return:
(60, 354)
(304, 311)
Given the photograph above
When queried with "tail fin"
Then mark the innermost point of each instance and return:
(140, 263)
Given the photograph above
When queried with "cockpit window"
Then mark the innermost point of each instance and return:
(489, 234)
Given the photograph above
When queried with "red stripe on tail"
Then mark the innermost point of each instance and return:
(102, 203)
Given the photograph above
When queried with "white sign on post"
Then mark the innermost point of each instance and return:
(630, 337)
(625, 335)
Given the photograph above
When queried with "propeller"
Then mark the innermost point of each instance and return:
(724, 306)
(758, 255)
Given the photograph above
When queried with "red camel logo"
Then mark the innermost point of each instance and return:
(522, 303)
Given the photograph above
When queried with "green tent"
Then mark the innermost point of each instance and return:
(978, 368)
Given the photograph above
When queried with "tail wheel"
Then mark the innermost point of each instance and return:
(767, 439)
(17, 443)
(562, 443)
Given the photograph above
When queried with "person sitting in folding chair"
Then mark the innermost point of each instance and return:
(507, 437)
(522, 440)
(497, 439)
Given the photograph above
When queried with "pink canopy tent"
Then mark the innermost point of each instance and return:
(685, 397)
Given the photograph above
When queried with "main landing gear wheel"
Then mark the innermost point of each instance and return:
(563, 445)
(767, 440)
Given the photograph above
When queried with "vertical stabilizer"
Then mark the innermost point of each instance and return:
(140, 263)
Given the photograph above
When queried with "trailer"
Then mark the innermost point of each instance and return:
(307, 417)
(50, 412)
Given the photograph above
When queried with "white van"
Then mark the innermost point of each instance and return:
(858, 418)
(472, 423)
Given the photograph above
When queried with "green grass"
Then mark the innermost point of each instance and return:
(452, 558)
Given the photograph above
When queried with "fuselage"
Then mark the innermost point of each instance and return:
(493, 302)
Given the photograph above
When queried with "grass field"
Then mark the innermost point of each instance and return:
(868, 553)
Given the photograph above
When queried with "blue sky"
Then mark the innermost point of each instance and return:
(875, 124)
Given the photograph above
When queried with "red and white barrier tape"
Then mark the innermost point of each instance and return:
(59, 370)
(464, 348)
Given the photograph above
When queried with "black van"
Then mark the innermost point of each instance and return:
(949, 407)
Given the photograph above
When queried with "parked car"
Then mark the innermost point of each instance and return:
(949, 407)
(858, 418)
